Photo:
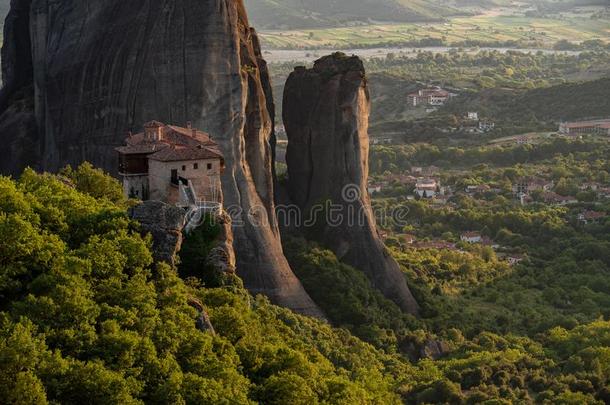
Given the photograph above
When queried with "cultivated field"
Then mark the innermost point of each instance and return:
(487, 28)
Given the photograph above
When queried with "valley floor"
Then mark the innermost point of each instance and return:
(500, 28)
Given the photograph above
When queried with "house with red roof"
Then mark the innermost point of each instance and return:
(471, 237)
(589, 186)
(529, 184)
(427, 188)
(603, 192)
(514, 259)
(408, 238)
(374, 188)
(591, 217)
(172, 164)
(402, 179)
(551, 197)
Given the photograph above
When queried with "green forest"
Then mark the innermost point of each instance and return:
(87, 317)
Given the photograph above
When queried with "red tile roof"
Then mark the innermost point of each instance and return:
(176, 144)
(593, 215)
(174, 154)
(173, 135)
(142, 149)
(588, 124)
(471, 235)
(554, 197)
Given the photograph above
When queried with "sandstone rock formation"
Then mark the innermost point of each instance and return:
(99, 68)
(222, 256)
(164, 223)
(326, 112)
(430, 348)
(203, 322)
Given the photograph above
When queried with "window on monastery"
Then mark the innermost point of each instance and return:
(196, 166)
(209, 166)
(183, 168)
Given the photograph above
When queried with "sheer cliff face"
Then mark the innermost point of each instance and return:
(326, 112)
(99, 68)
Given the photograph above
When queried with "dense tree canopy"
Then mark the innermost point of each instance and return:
(87, 317)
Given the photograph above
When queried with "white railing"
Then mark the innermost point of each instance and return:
(197, 209)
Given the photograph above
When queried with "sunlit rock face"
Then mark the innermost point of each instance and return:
(326, 112)
(79, 74)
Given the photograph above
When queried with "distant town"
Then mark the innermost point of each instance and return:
(439, 190)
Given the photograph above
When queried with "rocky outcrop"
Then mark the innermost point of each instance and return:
(164, 223)
(100, 68)
(203, 322)
(222, 256)
(430, 348)
(326, 112)
(433, 349)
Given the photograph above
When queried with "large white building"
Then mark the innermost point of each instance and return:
(432, 96)
(173, 164)
(601, 127)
